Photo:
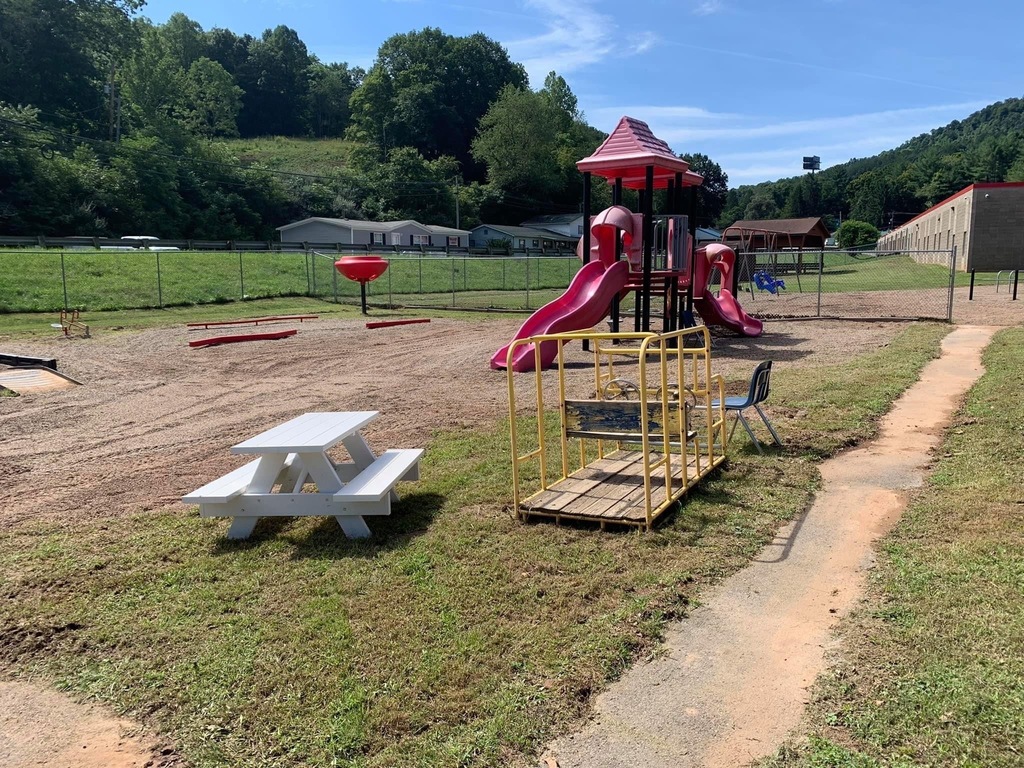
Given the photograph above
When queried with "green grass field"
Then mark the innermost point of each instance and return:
(35, 280)
(456, 636)
(932, 672)
(844, 272)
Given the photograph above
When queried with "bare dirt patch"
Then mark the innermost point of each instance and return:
(47, 729)
(154, 419)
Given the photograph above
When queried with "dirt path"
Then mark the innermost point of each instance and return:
(47, 729)
(734, 679)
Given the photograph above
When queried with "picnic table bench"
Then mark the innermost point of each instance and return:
(293, 454)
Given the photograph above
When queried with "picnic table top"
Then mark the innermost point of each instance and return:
(306, 433)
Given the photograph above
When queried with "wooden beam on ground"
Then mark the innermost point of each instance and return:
(268, 335)
(389, 323)
(252, 321)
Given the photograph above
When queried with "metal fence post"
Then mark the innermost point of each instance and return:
(64, 279)
(421, 273)
(334, 281)
(952, 285)
(453, 281)
(504, 261)
(391, 301)
(465, 275)
(305, 260)
(159, 284)
(527, 260)
(241, 275)
(312, 261)
(821, 269)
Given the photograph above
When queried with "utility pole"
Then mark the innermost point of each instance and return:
(110, 103)
(457, 202)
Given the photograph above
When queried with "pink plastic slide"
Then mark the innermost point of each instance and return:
(722, 309)
(589, 296)
(583, 305)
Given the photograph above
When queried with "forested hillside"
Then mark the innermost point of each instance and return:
(892, 187)
(110, 124)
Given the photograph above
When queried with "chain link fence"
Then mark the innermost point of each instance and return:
(51, 280)
(849, 284)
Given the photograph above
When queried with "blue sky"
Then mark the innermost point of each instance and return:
(754, 84)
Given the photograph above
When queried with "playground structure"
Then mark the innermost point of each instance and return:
(651, 427)
(626, 252)
(70, 324)
(361, 269)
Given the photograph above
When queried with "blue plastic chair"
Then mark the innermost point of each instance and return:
(758, 393)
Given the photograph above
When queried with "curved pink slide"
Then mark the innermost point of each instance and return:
(722, 309)
(583, 305)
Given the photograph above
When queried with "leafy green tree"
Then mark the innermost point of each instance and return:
(330, 88)
(762, 205)
(428, 90)
(854, 234)
(209, 100)
(408, 186)
(518, 141)
(151, 79)
(276, 85)
(558, 94)
(57, 55)
(712, 194)
(184, 39)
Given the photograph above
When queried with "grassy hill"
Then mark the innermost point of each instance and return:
(280, 153)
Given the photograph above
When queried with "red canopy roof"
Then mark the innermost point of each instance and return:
(630, 150)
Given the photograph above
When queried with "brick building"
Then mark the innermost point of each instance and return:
(984, 222)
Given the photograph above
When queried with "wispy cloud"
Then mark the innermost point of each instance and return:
(752, 148)
(575, 35)
(818, 67)
(708, 7)
(644, 42)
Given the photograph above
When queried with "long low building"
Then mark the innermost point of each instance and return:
(983, 222)
(317, 229)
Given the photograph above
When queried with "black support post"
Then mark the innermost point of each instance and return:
(617, 192)
(970, 293)
(1016, 274)
(586, 232)
(648, 213)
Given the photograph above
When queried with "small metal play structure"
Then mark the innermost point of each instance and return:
(71, 324)
(630, 448)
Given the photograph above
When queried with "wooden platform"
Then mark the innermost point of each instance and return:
(29, 380)
(609, 491)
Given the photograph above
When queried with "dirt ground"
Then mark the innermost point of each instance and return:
(154, 419)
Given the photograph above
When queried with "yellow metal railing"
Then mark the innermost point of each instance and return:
(667, 378)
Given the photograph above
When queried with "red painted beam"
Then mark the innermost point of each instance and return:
(215, 340)
(389, 323)
(255, 320)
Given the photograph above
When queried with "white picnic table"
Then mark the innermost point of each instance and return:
(293, 454)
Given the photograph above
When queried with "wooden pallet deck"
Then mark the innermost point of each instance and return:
(609, 490)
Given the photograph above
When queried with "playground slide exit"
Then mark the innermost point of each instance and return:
(583, 305)
(722, 309)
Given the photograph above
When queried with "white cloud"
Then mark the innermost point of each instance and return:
(644, 42)
(753, 148)
(576, 35)
(709, 7)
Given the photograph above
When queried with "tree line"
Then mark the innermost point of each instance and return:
(113, 124)
(894, 186)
